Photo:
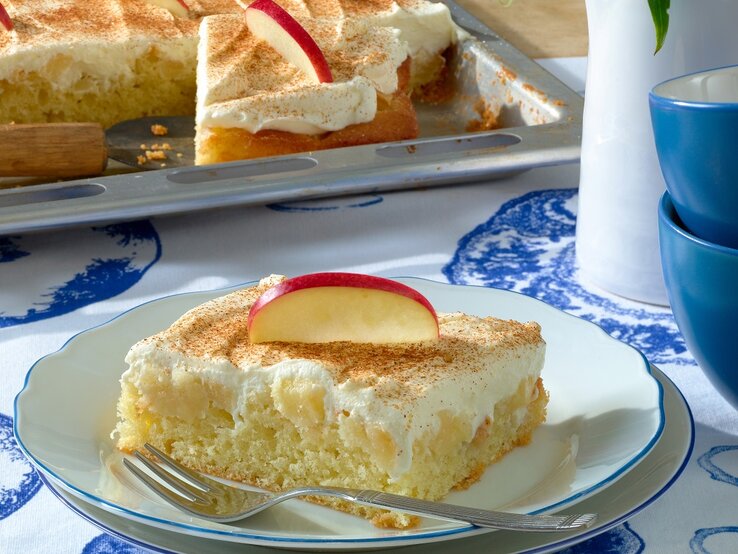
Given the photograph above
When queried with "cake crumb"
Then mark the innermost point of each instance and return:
(141, 160)
(162, 146)
(159, 130)
(488, 118)
(156, 155)
(143, 147)
(179, 154)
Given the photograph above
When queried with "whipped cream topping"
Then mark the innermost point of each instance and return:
(67, 39)
(425, 26)
(399, 391)
(244, 83)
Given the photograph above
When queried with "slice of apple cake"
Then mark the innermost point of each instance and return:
(417, 419)
(254, 102)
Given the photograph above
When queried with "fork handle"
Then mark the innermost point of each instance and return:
(475, 516)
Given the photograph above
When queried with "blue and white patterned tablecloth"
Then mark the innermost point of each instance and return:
(515, 234)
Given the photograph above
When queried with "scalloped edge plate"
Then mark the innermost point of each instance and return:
(605, 414)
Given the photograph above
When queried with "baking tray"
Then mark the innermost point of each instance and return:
(541, 122)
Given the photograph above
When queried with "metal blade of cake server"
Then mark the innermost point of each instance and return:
(129, 141)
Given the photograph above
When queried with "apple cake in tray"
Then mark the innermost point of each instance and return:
(262, 77)
(413, 418)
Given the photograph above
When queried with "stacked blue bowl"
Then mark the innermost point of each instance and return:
(695, 122)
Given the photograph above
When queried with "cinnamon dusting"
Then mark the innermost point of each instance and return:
(218, 330)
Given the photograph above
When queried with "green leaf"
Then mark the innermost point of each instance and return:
(660, 15)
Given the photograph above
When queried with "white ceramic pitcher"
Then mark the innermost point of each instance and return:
(621, 181)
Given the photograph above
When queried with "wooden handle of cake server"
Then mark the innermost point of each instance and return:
(52, 150)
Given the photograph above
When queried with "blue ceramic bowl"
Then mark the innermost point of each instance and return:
(695, 125)
(702, 284)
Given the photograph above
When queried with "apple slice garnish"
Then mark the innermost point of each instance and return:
(5, 18)
(178, 8)
(333, 307)
(270, 22)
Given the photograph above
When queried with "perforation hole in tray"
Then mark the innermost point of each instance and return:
(448, 145)
(21, 197)
(252, 168)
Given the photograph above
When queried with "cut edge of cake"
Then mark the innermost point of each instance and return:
(126, 59)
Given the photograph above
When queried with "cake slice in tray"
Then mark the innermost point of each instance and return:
(76, 60)
(254, 102)
(417, 417)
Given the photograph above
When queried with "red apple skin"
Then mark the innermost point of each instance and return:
(338, 279)
(184, 4)
(299, 35)
(5, 19)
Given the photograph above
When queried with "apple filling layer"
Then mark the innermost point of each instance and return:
(416, 419)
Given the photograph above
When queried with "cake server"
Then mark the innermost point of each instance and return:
(64, 150)
(52, 150)
(214, 501)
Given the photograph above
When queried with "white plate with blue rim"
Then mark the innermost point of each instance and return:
(605, 414)
(640, 488)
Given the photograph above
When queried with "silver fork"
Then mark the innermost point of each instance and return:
(206, 498)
